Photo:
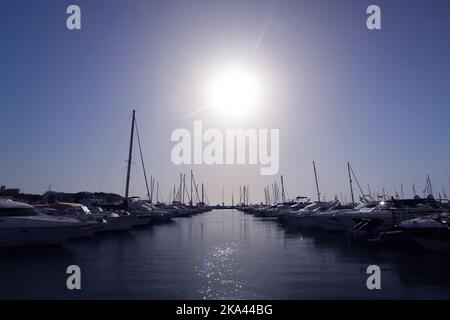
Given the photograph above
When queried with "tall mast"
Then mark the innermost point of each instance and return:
(283, 198)
(157, 191)
(191, 189)
(181, 186)
(184, 186)
(240, 195)
(130, 152)
(317, 183)
(351, 186)
(232, 198)
(248, 195)
(429, 184)
(203, 194)
(152, 188)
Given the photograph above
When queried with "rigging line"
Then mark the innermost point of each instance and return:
(357, 182)
(112, 150)
(322, 187)
(142, 159)
(288, 198)
(196, 188)
(187, 191)
(265, 25)
(110, 159)
(448, 178)
(206, 197)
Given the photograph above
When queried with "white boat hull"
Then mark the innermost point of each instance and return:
(13, 237)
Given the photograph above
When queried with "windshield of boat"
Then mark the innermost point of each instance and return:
(19, 212)
(86, 210)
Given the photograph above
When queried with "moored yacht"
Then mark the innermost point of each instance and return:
(72, 210)
(328, 220)
(22, 224)
(430, 232)
(292, 210)
(143, 208)
(386, 216)
(304, 217)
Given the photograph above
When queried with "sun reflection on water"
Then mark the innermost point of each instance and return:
(218, 273)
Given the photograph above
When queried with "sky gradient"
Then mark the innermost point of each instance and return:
(337, 91)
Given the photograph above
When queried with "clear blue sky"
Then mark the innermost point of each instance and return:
(339, 92)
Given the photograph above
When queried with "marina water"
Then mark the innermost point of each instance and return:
(222, 254)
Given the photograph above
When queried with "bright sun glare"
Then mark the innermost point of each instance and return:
(234, 92)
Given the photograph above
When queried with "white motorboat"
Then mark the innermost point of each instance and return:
(22, 224)
(72, 210)
(304, 217)
(328, 220)
(115, 220)
(159, 215)
(430, 232)
(388, 213)
(292, 210)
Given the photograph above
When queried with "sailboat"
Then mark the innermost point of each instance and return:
(138, 217)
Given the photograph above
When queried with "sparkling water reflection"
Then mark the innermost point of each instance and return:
(223, 254)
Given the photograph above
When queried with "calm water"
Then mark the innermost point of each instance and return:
(223, 254)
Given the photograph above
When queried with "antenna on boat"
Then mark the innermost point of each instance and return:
(283, 197)
(127, 186)
(317, 183)
(351, 185)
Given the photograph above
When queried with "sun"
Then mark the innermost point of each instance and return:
(234, 92)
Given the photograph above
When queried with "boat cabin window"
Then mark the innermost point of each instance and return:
(85, 210)
(19, 212)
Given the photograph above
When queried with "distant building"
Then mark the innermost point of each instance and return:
(11, 192)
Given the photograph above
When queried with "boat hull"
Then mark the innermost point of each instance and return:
(121, 223)
(15, 237)
(142, 220)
